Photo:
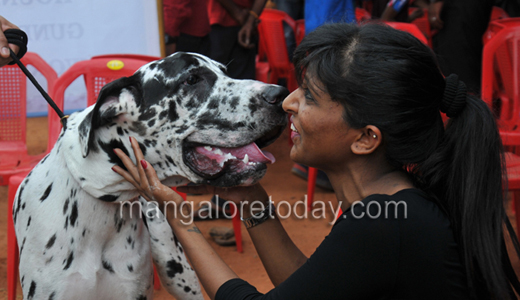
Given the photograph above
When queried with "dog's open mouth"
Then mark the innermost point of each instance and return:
(210, 162)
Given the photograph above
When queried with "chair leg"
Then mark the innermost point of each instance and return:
(515, 197)
(12, 246)
(237, 223)
(156, 280)
(311, 184)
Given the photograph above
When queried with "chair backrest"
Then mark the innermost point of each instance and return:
(498, 13)
(300, 31)
(501, 70)
(423, 24)
(271, 32)
(96, 72)
(410, 28)
(13, 96)
(362, 15)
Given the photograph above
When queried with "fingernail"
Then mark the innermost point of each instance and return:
(113, 169)
(144, 164)
(5, 51)
(130, 138)
(114, 150)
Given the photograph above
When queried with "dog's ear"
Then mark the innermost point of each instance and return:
(108, 106)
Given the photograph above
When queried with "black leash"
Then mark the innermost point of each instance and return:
(19, 38)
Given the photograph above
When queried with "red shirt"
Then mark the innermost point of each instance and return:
(186, 16)
(219, 15)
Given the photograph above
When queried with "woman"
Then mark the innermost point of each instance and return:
(367, 113)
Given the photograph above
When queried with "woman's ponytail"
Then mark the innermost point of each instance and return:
(465, 175)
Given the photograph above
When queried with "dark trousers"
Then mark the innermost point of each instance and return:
(225, 49)
(190, 43)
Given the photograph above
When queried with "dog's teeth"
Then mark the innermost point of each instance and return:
(208, 148)
(246, 159)
(218, 152)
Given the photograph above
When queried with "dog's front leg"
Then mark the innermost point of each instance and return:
(175, 273)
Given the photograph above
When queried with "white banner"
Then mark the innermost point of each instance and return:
(63, 32)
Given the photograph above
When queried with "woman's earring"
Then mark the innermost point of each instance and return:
(374, 136)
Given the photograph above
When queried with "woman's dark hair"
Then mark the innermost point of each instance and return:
(389, 79)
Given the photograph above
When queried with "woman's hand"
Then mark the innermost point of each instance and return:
(5, 55)
(144, 177)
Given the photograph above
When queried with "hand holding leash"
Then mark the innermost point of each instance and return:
(11, 38)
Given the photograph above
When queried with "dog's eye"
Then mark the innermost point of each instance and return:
(192, 80)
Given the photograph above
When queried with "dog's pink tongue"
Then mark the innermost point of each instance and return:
(254, 154)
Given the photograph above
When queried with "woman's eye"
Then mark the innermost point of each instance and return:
(192, 80)
(308, 95)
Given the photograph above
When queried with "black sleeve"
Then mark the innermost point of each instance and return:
(359, 258)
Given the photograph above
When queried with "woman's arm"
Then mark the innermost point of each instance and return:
(278, 253)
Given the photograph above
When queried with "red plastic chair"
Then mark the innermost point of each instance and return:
(410, 28)
(501, 91)
(14, 158)
(423, 24)
(501, 75)
(498, 13)
(271, 33)
(300, 31)
(362, 15)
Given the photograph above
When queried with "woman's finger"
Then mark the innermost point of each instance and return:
(125, 175)
(139, 157)
(128, 163)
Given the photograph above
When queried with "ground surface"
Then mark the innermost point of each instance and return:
(279, 183)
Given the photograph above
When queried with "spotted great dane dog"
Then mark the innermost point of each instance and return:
(193, 124)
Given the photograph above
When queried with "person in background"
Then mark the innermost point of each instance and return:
(233, 35)
(394, 10)
(186, 26)
(458, 42)
(5, 55)
(319, 12)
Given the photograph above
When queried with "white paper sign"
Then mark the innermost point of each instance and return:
(63, 32)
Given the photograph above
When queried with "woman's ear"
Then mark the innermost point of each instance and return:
(367, 141)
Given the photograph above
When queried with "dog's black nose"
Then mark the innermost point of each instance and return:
(275, 94)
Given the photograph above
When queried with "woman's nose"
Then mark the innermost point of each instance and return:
(290, 104)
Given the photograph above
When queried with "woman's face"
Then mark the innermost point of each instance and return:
(320, 135)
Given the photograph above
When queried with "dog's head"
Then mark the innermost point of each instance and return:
(190, 119)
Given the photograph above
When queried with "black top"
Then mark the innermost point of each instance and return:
(371, 256)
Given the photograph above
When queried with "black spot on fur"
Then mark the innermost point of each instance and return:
(108, 198)
(107, 266)
(129, 239)
(141, 297)
(46, 193)
(109, 147)
(163, 114)
(151, 123)
(172, 112)
(83, 233)
(74, 214)
(120, 131)
(32, 290)
(66, 206)
(234, 102)
(147, 115)
(213, 103)
(170, 159)
(173, 268)
(143, 148)
(82, 179)
(139, 128)
(66, 223)
(69, 261)
(187, 289)
(51, 241)
(51, 297)
(29, 222)
(43, 160)
(130, 268)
